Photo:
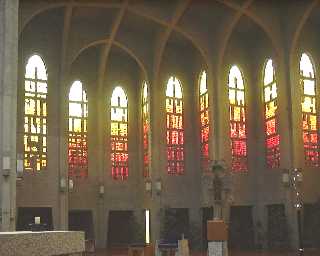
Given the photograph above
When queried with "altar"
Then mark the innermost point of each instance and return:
(27, 243)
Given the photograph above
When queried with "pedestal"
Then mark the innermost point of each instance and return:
(217, 235)
(183, 247)
(47, 243)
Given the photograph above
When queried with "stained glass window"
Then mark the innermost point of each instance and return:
(119, 134)
(309, 111)
(272, 137)
(35, 115)
(78, 147)
(237, 111)
(175, 131)
(204, 120)
(145, 121)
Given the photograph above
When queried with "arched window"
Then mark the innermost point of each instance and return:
(204, 120)
(146, 127)
(35, 115)
(119, 134)
(78, 146)
(237, 120)
(175, 131)
(309, 111)
(272, 137)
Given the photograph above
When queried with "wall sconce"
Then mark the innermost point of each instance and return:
(148, 186)
(298, 175)
(6, 166)
(63, 184)
(101, 190)
(71, 184)
(158, 187)
(285, 177)
(19, 166)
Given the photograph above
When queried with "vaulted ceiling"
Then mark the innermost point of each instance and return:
(144, 30)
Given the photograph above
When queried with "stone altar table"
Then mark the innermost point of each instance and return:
(26, 243)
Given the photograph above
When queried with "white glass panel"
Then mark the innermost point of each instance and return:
(35, 62)
(235, 78)
(119, 97)
(306, 66)
(75, 93)
(268, 72)
(203, 83)
(309, 87)
(170, 86)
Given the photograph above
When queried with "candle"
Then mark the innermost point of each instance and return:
(36, 220)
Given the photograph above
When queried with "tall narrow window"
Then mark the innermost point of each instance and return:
(35, 115)
(204, 120)
(119, 134)
(175, 131)
(237, 120)
(146, 125)
(309, 111)
(77, 148)
(272, 137)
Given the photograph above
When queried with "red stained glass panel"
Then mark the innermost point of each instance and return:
(204, 121)
(310, 119)
(237, 120)
(119, 135)
(175, 131)
(272, 137)
(145, 121)
(77, 146)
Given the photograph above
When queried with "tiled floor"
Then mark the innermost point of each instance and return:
(231, 253)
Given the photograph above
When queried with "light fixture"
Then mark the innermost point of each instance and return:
(71, 184)
(298, 175)
(6, 166)
(158, 186)
(148, 186)
(285, 177)
(147, 226)
(19, 166)
(63, 184)
(37, 220)
(101, 190)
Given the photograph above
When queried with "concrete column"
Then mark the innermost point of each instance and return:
(63, 161)
(8, 108)
(293, 155)
(155, 218)
(102, 221)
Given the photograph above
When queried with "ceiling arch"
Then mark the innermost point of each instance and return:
(117, 44)
(306, 14)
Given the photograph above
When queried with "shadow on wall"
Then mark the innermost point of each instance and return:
(241, 232)
(82, 220)
(311, 225)
(120, 229)
(175, 222)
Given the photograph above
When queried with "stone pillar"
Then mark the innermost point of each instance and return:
(155, 218)
(63, 163)
(8, 109)
(291, 135)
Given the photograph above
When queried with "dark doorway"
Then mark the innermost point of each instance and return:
(241, 234)
(311, 225)
(26, 217)
(176, 223)
(120, 228)
(207, 214)
(82, 220)
(277, 234)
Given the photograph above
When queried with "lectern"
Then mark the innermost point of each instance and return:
(217, 235)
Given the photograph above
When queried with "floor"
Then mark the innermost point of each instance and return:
(231, 253)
